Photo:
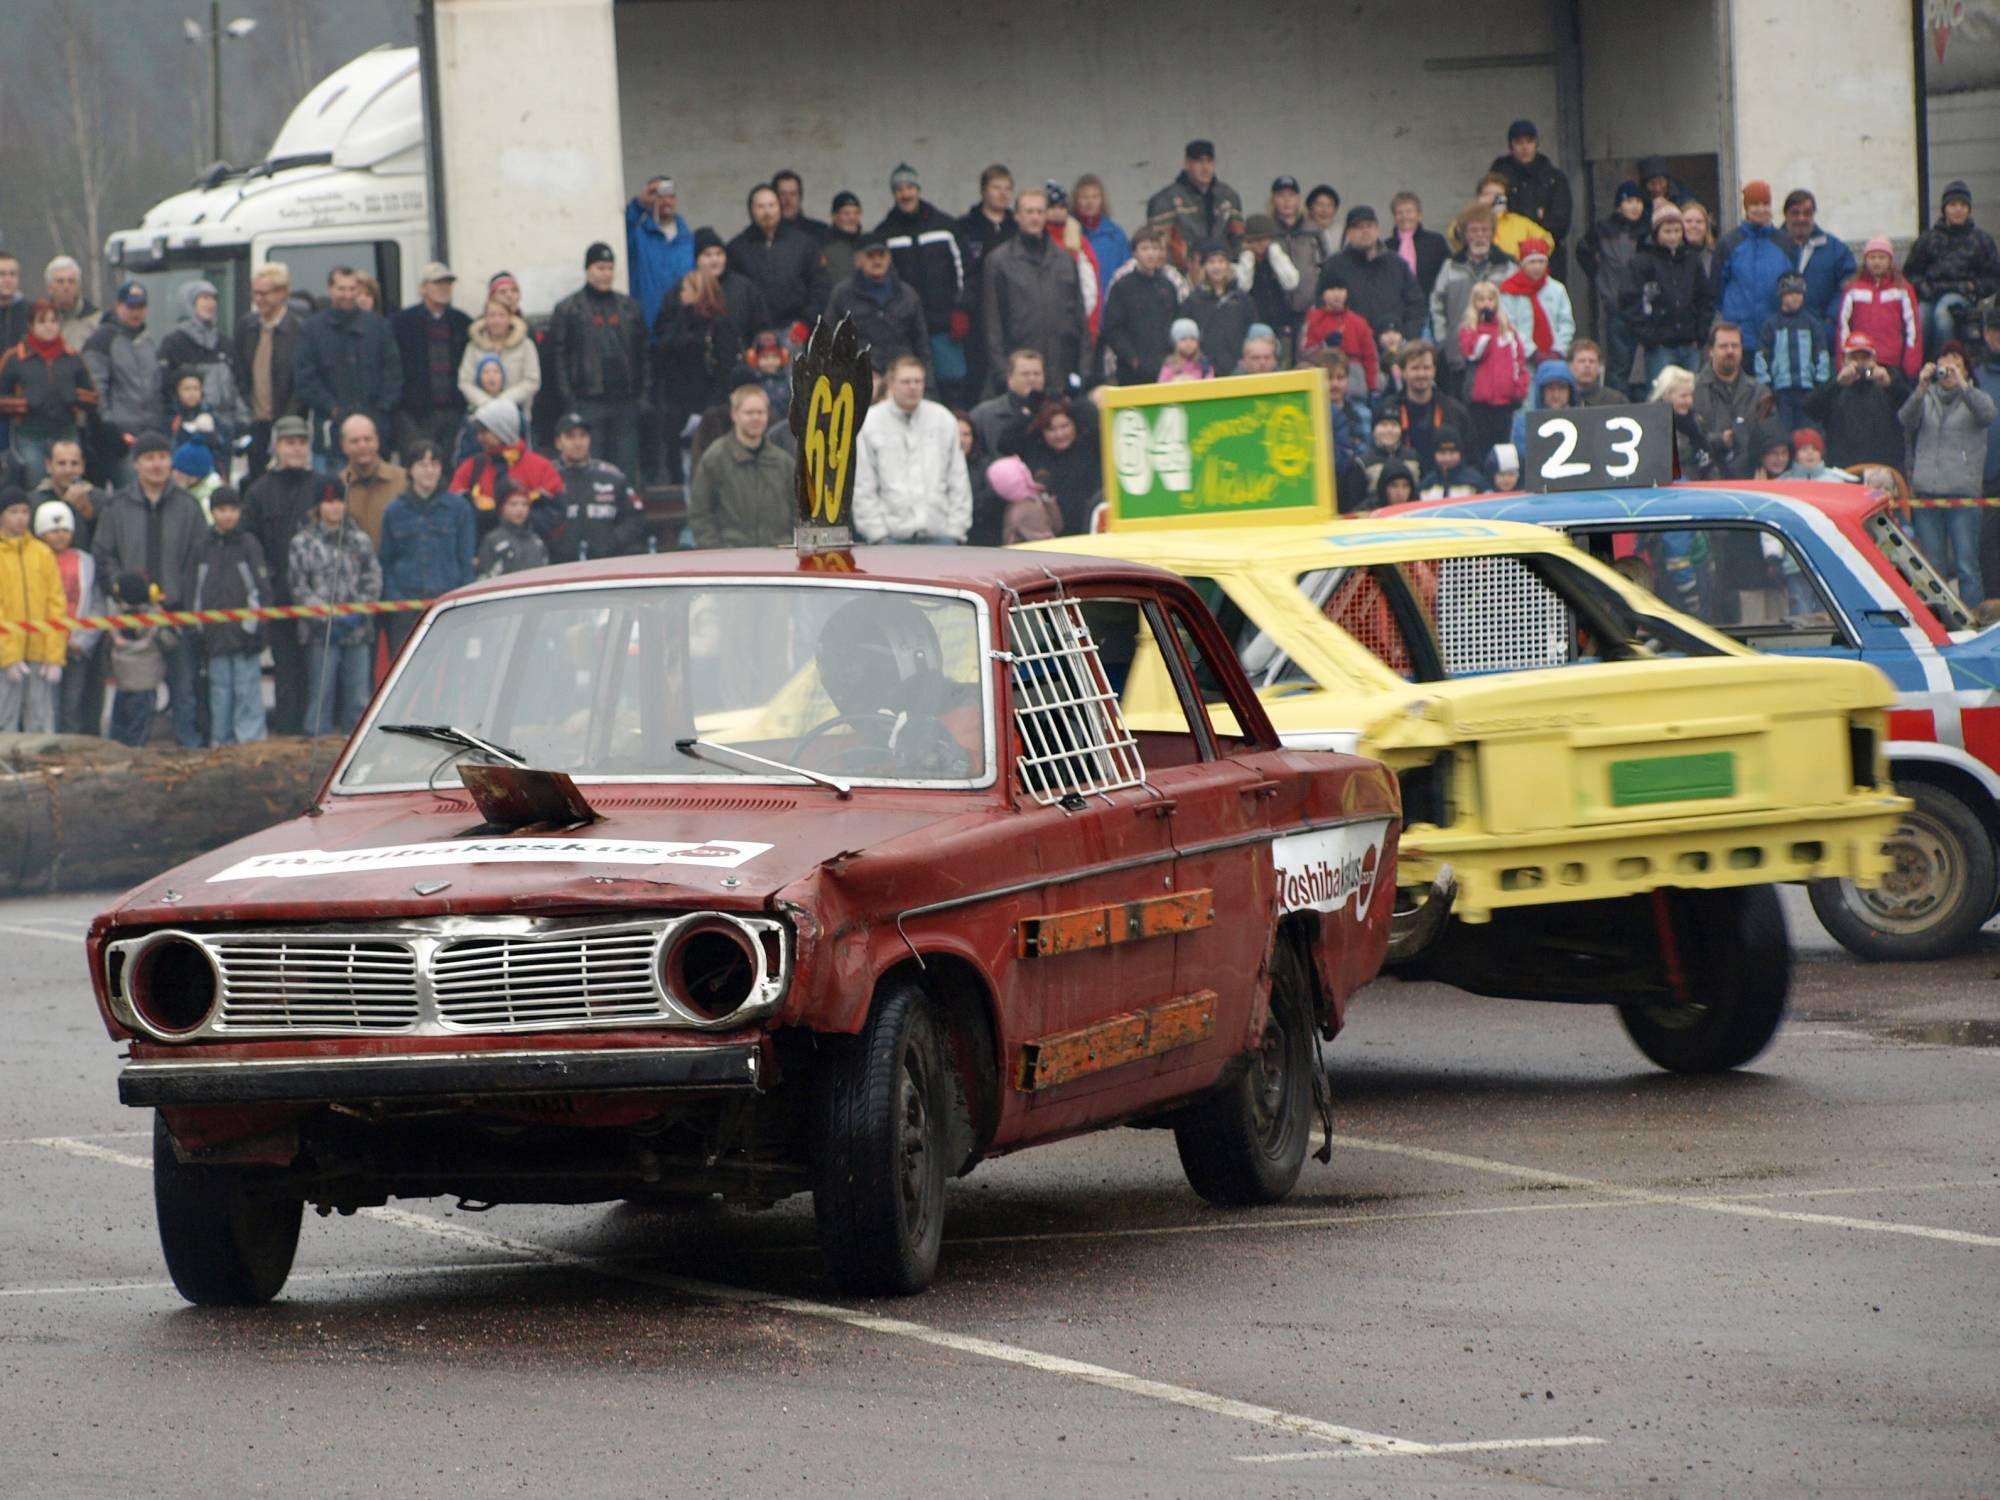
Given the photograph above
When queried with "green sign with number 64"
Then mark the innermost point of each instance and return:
(1254, 449)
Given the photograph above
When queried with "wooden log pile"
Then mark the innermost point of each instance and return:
(84, 814)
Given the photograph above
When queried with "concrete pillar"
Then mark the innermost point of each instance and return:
(1825, 99)
(529, 115)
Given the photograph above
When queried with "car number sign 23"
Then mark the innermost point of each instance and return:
(1599, 448)
(1251, 449)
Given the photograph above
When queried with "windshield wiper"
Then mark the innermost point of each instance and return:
(451, 734)
(691, 747)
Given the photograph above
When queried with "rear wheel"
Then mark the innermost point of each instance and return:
(1940, 889)
(1736, 972)
(1246, 1143)
(228, 1235)
(879, 1174)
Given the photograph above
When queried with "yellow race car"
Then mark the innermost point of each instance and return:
(1599, 791)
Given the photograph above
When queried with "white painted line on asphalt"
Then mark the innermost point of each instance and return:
(17, 930)
(1431, 1450)
(1347, 1439)
(77, 1147)
(100, 1135)
(1678, 1200)
(1848, 1034)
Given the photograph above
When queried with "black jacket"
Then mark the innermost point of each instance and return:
(347, 362)
(43, 398)
(924, 248)
(1667, 297)
(789, 270)
(1224, 322)
(276, 506)
(1539, 191)
(892, 328)
(412, 327)
(1860, 421)
(596, 348)
(230, 573)
(284, 350)
(1421, 424)
(693, 355)
(1137, 325)
(979, 237)
(602, 515)
(1433, 250)
(1381, 290)
(1947, 259)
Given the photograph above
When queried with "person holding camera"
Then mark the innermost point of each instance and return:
(1497, 356)
(1946, 419)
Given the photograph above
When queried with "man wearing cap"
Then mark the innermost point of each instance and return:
(843, 237)
(431, 335)
(1857, 409)
(924, 251)
(1196, 208)
(275, 506)
(659, 248)
(154, 528)
(1536, 187)
(1748, 262)
(347, 363)
(1303, 244)
(1953, 263)
(1380, 288)
(887, 314)
(31, 666)
(1823, 259)
(597, 358)
(601, 515)
(1032, 298)
(124, 365)
(267, 343)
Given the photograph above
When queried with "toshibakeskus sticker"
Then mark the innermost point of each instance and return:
(1328, 869)
(722, 854)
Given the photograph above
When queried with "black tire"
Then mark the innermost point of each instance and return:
(1941, 891)
(879, 1167)
(1246, 1143)
(1737, 959)
(228, 1237)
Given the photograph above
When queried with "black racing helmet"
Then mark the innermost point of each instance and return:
(880, 655)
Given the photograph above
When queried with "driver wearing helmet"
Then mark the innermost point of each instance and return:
(880, 662)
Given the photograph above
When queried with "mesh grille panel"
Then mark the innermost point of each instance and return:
(1073, 738)
(1493, 615)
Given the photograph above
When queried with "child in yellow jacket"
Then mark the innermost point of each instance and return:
(31, 665)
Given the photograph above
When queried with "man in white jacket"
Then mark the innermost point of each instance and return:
(910, 482)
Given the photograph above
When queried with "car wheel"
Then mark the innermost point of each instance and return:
(1940, 888)
(1738, 973)
(879, 1169)
(228, 1236)
(1246, 1143)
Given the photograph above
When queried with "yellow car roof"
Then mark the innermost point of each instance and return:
(1323, 544)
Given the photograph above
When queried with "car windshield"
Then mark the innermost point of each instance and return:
(862, 683)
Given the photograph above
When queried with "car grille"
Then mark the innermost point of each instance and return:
(504, 981)
(285, 985)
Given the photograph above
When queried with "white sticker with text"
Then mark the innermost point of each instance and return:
(1327, 869)
(721, 854)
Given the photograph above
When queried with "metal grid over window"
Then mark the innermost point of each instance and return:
(1494, 615)
(1073, 739)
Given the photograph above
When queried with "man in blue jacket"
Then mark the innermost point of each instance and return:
(659, 248)
(1823, 259)
(1748, 262)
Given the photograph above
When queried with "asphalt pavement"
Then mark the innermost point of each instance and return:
(1535, 1263)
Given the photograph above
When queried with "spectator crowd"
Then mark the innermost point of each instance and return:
(331, 449)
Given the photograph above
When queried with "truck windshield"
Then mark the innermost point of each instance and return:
(226, 270)
(866, 684)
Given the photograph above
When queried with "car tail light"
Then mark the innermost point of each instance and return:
(711, 968)
(173, 987)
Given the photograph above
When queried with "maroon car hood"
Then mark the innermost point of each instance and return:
(407, 854)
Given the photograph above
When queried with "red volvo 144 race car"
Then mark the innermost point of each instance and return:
(747, 874)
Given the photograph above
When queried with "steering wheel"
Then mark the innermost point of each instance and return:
(923, 746)
(862, 722)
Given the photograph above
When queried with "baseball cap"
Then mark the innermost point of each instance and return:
(569, 421)
(290, 427)
(436, 270)
(1361, 213)
(1284, 184)
(132, 293)
(871, 242)
(1199, 148)
(1858, 341)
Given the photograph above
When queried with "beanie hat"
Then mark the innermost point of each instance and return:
(224, 495)
(1011, 479)
(1184, 328)
(904, 173)
(485, 360)
(598, 251)
(1807, 437)
(12, 496)
(1879, 242)
(1445, 436)
(1260, 225)
(1523, 128)
(1628, 189)
(1533, 246)
(1506, 459)
(1663, 208)
(844, 200)
(706, 238)
(1361, 213)
(1323, 189)
(1956, 189)
(151, 441)
(194, 460)
(1259, 331)
(1057, 198)
(1756, 191)
(1791, 281)
(52, 515)
(131, 590)
(502, 419)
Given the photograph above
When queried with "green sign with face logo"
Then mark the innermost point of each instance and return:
(1250, 450)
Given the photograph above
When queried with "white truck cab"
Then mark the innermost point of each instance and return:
(343, 184)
